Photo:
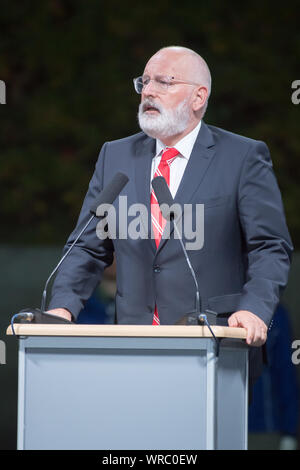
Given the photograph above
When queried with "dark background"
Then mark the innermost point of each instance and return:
(68, 68)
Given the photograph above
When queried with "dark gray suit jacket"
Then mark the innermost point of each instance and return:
(245, 259)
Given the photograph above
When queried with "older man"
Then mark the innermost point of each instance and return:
(244, 263)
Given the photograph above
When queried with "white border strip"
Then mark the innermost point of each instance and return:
(21, 396)
(246, 397)
(211, 403)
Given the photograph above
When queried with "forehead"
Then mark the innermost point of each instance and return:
(168, 63)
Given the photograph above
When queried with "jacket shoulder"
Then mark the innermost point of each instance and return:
(129, 140)
(221, 135)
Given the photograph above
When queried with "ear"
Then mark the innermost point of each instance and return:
(200, 98)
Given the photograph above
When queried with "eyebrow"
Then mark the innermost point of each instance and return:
(159, 75)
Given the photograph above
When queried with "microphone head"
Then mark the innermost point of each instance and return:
(110, 192)
(164, 198)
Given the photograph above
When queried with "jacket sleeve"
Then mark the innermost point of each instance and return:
(267, 240)
(83, 268)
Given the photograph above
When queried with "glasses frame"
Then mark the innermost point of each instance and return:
(169, 82)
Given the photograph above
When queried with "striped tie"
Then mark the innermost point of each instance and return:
(158, 222)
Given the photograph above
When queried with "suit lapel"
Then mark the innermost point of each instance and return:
(199, 161)
(145, 151)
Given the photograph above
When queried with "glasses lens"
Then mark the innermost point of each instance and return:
(138, 84)
(161, 83)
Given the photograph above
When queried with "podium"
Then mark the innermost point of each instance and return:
(131, 387)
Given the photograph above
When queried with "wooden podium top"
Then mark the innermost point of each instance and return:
(173, 331)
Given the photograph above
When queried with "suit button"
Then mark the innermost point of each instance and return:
(156, 269)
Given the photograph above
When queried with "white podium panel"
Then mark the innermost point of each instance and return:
(117, 387)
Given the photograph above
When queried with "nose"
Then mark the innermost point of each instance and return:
(149, 89)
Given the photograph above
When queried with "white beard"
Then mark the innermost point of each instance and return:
(167, 123)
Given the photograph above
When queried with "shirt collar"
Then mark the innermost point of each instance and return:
(184, 146)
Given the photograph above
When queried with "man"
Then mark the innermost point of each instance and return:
(244, 263)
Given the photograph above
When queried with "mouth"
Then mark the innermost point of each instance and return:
(149, 109)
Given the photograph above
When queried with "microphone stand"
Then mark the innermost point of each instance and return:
(43, 304)
(199, 316)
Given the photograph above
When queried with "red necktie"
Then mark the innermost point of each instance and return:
(158, 222)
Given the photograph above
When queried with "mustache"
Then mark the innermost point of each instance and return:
(150, 104)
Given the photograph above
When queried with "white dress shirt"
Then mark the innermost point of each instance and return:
(184, 147)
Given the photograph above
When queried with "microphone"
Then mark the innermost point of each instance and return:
(164, 197)
(106, 196)
(166, 201)
(110, 192)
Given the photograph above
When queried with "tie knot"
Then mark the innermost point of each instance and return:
(169, 155)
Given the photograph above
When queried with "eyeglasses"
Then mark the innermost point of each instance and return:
(161, 83)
